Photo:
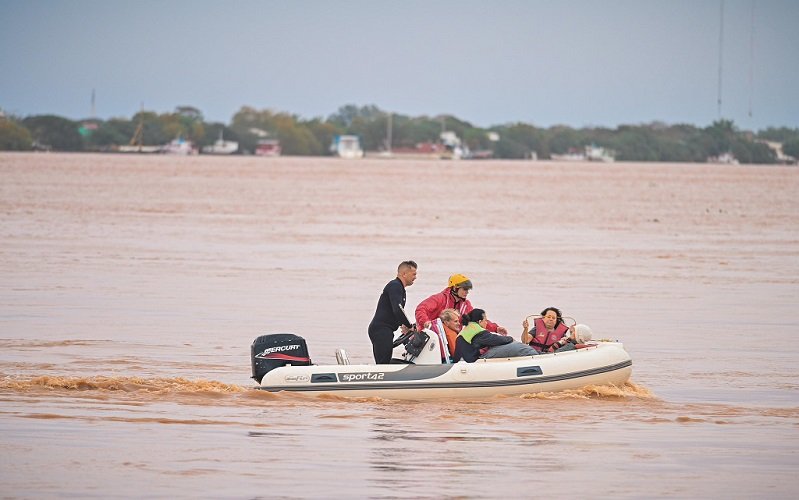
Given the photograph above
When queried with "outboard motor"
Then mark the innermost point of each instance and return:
(273, 351)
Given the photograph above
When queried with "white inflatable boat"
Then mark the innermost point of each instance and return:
(280, 362)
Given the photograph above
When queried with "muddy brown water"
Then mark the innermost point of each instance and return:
(132, 287)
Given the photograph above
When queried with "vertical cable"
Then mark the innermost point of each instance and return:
(721, 50)
(751, 57)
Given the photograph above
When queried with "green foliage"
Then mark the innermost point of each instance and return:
(346, 115)
(416, 130)
(14, 137)
(752, 152)
(782, 134)
(50, 131)
(508, 148)
(646, 142)
(211, 134)
(519, 140)
(323, 132)
(251, 125)
(296, 140)
(561, 139)
(720, 136)
(114, 132)
(189, 113)
(636, 143)
(184, 123)
(791, 147)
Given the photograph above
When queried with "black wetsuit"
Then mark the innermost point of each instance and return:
(388, 317)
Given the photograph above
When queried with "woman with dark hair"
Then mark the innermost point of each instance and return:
(548, 333)
(475, 342)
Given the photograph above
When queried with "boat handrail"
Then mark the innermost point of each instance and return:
(341, 357)
(572, 320)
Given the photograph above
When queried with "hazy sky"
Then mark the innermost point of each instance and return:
(572, 62)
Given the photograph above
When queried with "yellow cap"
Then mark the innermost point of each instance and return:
(459, 281)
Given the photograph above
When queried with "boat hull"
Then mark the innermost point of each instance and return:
(605, 363)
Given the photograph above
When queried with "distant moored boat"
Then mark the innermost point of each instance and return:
(221, 147)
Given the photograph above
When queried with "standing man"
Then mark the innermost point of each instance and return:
(388, 315)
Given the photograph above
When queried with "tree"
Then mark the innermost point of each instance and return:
(323, 132)
(791, 148)
(635, 144)
(782, 134)
(252, 125)
(295, 140)
(190, 113)
(348, 113)
(519, 140)
(14, 137)
(646, 142)
(211, 134)
(372, 132)
(562, 138)
(50, 131)
(721, 135)
(509, 148)
(421, 129)
(114, 132)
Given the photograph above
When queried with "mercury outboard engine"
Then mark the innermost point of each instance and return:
(273, 351)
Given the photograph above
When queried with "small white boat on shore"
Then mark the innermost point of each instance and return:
(180, 147)
(346, 146)
(138, 149)
(589, 153)
(724, 158)
(280, 362)
(221, 147)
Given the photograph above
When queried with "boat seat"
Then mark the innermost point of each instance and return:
(341, 357)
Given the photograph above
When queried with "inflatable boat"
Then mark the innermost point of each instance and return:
(280, 362)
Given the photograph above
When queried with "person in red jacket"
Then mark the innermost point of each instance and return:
(452, 297)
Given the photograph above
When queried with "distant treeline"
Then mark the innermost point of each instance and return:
(645, 142)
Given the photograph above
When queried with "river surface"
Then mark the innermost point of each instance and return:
(131, 288)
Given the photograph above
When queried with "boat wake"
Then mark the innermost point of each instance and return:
(117, 384)
(181, 387)
(625, 390)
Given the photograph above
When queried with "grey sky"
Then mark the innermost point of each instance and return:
(573, 62)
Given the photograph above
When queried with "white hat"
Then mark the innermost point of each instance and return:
(582, 333)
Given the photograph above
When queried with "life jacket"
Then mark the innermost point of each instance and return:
(465, 307)
(464, 349)
(469, 331)
(452, 337)
(544, 339)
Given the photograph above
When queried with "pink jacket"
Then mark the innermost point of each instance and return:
(431, 307)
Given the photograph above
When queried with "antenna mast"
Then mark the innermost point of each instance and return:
(721, 50)
(751, 57)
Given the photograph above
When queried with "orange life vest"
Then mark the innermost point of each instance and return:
(452, 337)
